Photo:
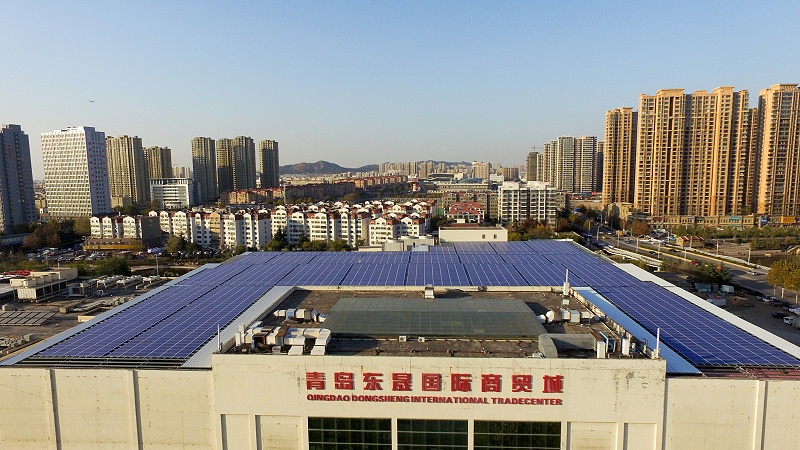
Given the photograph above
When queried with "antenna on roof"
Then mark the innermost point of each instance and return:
(657, 351)
(566, 284)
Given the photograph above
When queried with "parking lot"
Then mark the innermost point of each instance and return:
(760, 314)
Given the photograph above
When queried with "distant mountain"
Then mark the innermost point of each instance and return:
(323, 167)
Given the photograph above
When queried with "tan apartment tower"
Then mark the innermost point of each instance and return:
(692, 152)
(128, 177)
(159, 162)
(535, 164)
(204, 165)
(236, 164)
(778, 157)
(619, 156)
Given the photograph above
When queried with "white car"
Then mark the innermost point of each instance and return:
(789, 320)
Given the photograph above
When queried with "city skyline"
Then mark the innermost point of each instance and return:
(347, 82)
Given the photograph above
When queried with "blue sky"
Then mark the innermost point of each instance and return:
(368, 82)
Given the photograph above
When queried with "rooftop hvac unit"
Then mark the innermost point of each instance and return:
(403, 338)
(421, 339)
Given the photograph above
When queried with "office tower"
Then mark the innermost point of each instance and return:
(16, 179)
(778, 150)
(270, 166)
(76, 172)
(535, 165)
(236, 163)
(619, 156)
(159, 162)
(204, 164)
(688, 148)
(128, 176)
(425, 168)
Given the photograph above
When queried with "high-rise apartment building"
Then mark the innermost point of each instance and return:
(159, 162)
(236, 163)
(535, 166)
(128, 176)
(569, 163)
(619, 156)
(480, 170)
(270, 166)
(182, 172)
(598, 166)
(778, 158)
(76, 172)
(204, 164)
(692, 152)
(16, 179)
(244, 167)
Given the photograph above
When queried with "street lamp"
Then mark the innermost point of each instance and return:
(156, 264)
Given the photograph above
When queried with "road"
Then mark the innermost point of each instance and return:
(751, 278)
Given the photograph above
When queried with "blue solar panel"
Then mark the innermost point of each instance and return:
(701, 337)
(177, 321)
(491, 275)
(183, 333)
(376, 275)
(434, 258)
(385, 258)
(437, 275)
(106, 335)
(481, 258)
(312, 275)
(473, 247)
(545, 275)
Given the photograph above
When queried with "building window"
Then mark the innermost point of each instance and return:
(431, 434)
(517, 435)
(336, 433)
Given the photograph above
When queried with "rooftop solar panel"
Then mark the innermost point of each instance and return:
(696, 334)
(376, 275)
(473, 247)
(312, 275)
(106, 335)
(437, 275)
(494, 275)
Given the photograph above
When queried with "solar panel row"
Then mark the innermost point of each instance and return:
(176, 322)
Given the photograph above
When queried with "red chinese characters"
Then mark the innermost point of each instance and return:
(431, 382)
(553, 384)
(521, 383)
(372, 381)
(460, 382)
(490, 382)
(343, 381)
(315, 380)
(401, 381)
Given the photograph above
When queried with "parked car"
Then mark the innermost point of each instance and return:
(779, 303)
(780, 315)
(788, 320)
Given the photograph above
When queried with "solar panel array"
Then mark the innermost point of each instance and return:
(24, 318)
(175, 322)
(699, 336)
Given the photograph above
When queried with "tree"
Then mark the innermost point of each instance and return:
(82, 226)
(175, 244)
(339, 245)
(639, 227)
(155, 205)
(239, 249)
(113, 266)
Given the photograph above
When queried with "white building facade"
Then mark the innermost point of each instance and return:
(76, 172)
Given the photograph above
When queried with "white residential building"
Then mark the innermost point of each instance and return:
(173, 193)
(76, 172)
(519, 201)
